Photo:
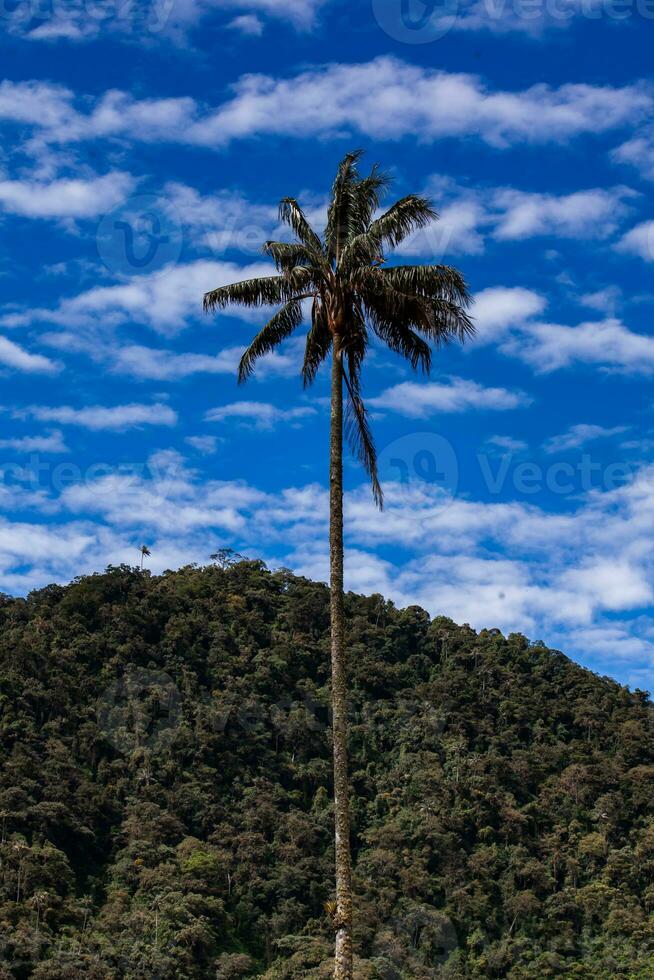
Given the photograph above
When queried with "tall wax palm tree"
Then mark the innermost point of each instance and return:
(352, 295)
(145, 553)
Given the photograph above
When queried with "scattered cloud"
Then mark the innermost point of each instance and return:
(500, 308)
(508, 444)
(154, 18)
(470, 216)
(206, 445)
(384, 99)
(639, 241)
(433, 103)
(165, 302)
(248, 24)
(53, 442)
(260, 414)
(153, 364)
(65, 198)
(99, 417)
(505, 563)
(604, 300)
(415, 400)
(578, 435)
(608, 344)
(583, 214)
(14, 356)
(638, 152)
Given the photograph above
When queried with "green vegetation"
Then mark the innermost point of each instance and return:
(166, 782)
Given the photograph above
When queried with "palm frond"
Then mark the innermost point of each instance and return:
(278, 328)
(449, 322)
(340, 216)
(288, 255)
(440, 321)
(406, 216)
(361, 252)
(318, 345)
(266, 291)
(292, 215)
(400, 338)
(369, 192)
(410, 308)
(432, 281)
(357, 430)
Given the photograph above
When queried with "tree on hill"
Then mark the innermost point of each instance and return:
(352, 294)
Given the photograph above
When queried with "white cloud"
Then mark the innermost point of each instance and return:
(389, 99)
(207, 445)
(261, 414)
(153, 18)
(221, 221)
(584, 214)
(460, 230)
(248, 24)
(605, 300)
(612, 584)
(639, 241)
(562, 576)
(508, 316)
(14, 356)
(165, 365)
(638, 152)
(578, 435)
(508, 444)
(37, 103)
(62, 27)
(382, 99)
(166, 302)
(469, 216)
(416, 400)
(500, 308)
(51, 443)
(65, 198)
(607, 343)
(100, 417)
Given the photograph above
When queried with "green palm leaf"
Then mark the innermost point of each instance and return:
(278, 328)
(409, 308)
(266, 291)
(318, 345)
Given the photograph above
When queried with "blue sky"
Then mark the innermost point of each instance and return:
(145, 147)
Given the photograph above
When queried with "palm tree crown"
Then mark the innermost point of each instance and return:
(353, 293)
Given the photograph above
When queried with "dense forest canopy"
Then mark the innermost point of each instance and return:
(165, 787)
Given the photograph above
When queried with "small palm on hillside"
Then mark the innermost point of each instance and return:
(352, 295)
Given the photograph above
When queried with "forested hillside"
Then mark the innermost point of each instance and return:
(165, 786)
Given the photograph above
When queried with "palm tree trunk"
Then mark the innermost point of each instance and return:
(343, 915)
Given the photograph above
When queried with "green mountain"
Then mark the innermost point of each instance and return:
(165, 786)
